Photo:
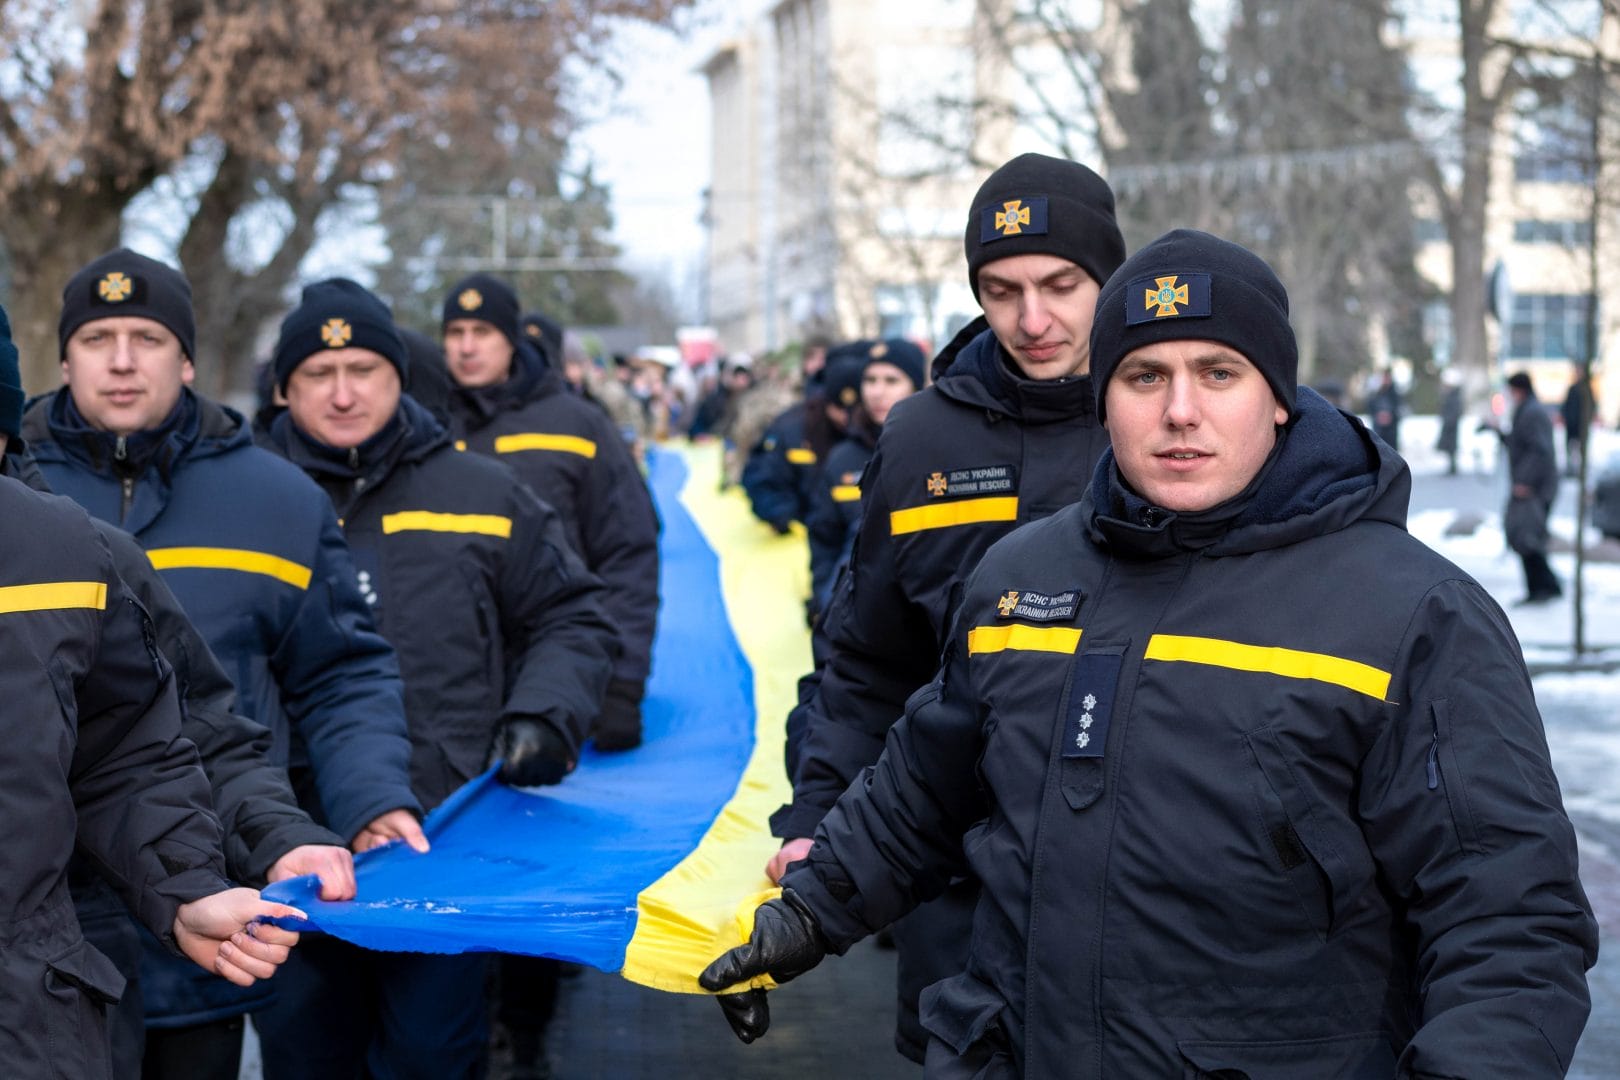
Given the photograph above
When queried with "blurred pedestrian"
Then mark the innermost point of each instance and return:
(505, 659)
(253, 552)
(785, 467)
(1576, 413)
(1226, 823)
(1451, 410)
(1533, 487)
(1386, 408)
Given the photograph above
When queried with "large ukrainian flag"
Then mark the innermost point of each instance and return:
(648, 862)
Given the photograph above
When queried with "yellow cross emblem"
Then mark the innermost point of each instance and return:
(1011, 219)
(532, 330)
(1008, 603)
(937, 484)
(115, 287)
(336, 333)
(1167, 294)
(470, 300)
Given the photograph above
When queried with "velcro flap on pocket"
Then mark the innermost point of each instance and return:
(87, 968)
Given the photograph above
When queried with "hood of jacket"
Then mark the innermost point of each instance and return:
(1325, 473)
(975, 371)
(532, 377)
(198, 428)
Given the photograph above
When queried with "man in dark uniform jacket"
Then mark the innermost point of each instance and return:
(252, 550)
(115, 777)
(503, 644)
(1006, 434)
(1227, 822)
(785, 467)
(511, 403)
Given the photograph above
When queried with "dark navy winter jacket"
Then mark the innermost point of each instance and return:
(835, 511)
(781, 473)
(1261, 791)
(253, 552)
(94, 760)
(473, 581)
(958, 465)
(569, 452)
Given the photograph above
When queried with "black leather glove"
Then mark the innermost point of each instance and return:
(781, 528)
(618, 726)
(786, 942)
(531, 753)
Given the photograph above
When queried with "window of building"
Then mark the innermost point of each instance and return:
(1563, 233)
(1548, 326)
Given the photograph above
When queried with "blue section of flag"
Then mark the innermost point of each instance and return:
(556, 871)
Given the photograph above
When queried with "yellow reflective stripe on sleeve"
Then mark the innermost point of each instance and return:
(248, 562)
(432, 521)
(536, 440)
(1288, 663)
(944, 515)
(1021, 638)
(798, 455)
(53, 596)
(846, 493)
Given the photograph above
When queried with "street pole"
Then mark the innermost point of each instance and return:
(1582, 387)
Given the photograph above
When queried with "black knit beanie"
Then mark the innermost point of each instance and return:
(1189, 285)
(904, 355)
(337, 314)
(11, 389)
(122, 283)
(1039, 205)
(490, 299)
(841, 377)
(547, 333)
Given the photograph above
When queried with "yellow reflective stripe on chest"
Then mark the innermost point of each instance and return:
(798, 455)
(539, 440)
(53, 596)
(1270, 660)
(214, 558)
(846, 493)
(1021, 638)
(433, 521)
(944, 515)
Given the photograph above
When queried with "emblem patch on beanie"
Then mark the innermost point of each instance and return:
(1014, 217)
(1167, 296)
(470, 300)
(336, 333)
(528, 328)
(115, 288)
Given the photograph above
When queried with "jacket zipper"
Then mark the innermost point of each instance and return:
(1434, 757)
(121, 453)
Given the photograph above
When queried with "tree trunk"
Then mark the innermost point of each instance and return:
(46, 248)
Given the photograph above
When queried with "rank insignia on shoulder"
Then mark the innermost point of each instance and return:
(981, 480)
(1034, 606)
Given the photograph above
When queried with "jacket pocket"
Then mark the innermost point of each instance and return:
(1363, 1056)
(1324, 869)
(965, 1020)
(80, 985)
